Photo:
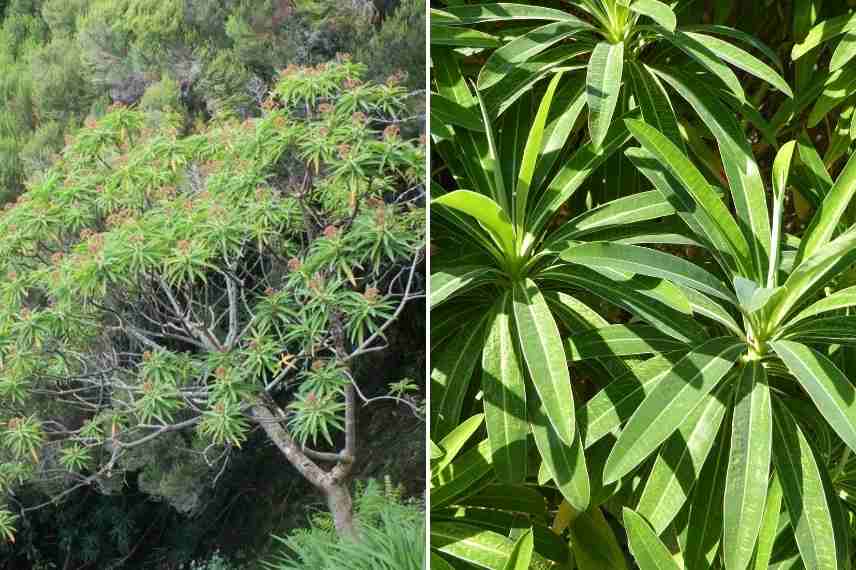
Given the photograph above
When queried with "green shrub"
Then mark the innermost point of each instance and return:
(392, 537)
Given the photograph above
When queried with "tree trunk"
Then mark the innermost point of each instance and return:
(340, 504)
(332, 483)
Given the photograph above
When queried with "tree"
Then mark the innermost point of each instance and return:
(209, 284)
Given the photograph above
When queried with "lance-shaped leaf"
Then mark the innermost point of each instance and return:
(594, 544)
(504, 395)
(743, 60)
(744, 176)
(448, 282)
(566, 464)
(639, 207)
(615, 403)
(544, 354)
(707, 58)
(573, 174)
(654, 102)
(657, 11)
(521, 553)
(457, 36)
(476, 546)
(828, 387)
(646, 261)
(838, 300)
(669, 404)
(769, 525)
(803, 491)
(603, 86)
(462, 476)
(679, 463)
(452, 369)
(447, 111)
(704, 527)
(620, 340)
(660, 307)
(496, 12)
(532, 151)
(827, 330)
(823, 32)
(451, 445)
(748, 466)
(489, 214)
(823, 225)
(812, 274)
(718, 226)
(650, 553)
(505, 59)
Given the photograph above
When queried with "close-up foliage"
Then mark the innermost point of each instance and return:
(642, 285)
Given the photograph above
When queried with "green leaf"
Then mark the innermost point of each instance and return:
(748, 466)
(462, 476)
(782, 167)
(740, 36)
(752, 296)
(743, 60)
(769, 525)
(653, 300)
(451, 113)
(836, 90)
(594, 543)
(618, 213)
(706, 58)
(532, 152)
(619, 340)
(545, 357)
(744, 177)
(679, 463)
(446, 283)
(615, 403)
(566, 464)
(603, 85)
(504, 396)
(657, 11)
(498, 12)
(828, 330)
(650, 553)
(844, 52)
(704, 527)
(489, 214)
(452, 444)
(828, 387)
(516, 498)
(573, 174)
(823, 32)
(521, 554)
(813, 273)
(656, 106)
(462, 37)
(469, 147)
(803, 491)
(504, 60)
(823, 225)
(439, 563)
(669, 404)
(720, 229)
(645, 261)
(838, 300)
(452, 369)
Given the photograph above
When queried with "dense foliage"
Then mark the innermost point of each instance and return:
(170, 291)
(642, 249)
(63, 60)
